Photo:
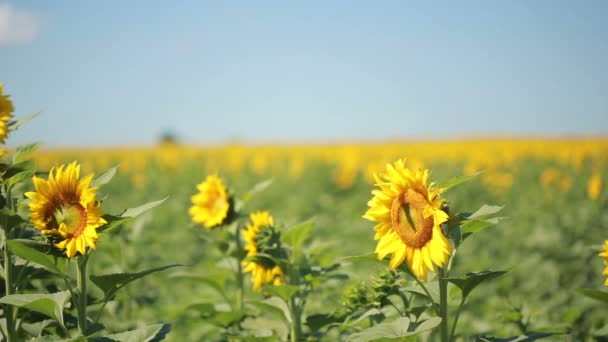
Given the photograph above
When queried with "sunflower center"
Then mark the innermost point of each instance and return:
(73, 216)
(408, 221)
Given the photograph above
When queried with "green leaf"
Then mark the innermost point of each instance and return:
(33, 251)
(11, 217)
(271, 309)
(522, 338)
(284, 292)
(151, 333)
(48, 304)
(474, 226)
(595, 294)
(24, 151)
(104, 177)
(395, 330)
(15, 124)
(471, 280)
(134, 212)
(485, 210)
(445, 186)
(259, 187)
(19, 171)
(114, 221)
(372, 258)
(215, 281)
(298, 234)
(111, 283)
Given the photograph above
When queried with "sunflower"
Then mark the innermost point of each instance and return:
(211, 204)
(605, 255)
(6, 113)
(261, 237)
(409, 217)
(65, 209)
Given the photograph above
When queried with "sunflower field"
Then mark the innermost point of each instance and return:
(492, 239)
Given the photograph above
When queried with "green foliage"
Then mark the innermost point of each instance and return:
(111, 283)
(38, 253)
(48, 304)
(394, 331)
(470, 281)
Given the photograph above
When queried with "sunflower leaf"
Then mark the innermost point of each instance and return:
(396, 330)
(24, 151)
(48, 304)
(113, 221)
(111, 283)
(150, 333)
(104, 177)
(296, 236)
(450, 183)
(595, 294)
(15, 124)
(259, 187)
(19, 171)
(485, 210)
(33, 251)
(474, 226)
(134, 212)
(470, 281)
(272, 309)
(522, 338)
(284, 292)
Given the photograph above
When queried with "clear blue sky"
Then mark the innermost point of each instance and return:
(118, 72)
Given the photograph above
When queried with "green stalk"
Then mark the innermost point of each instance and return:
(456, 318)
(82, 294)
(296, 329)
(8, 275)
(240, 294)
(8, 285)
(443, 305)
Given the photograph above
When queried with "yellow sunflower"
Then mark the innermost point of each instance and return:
(65, 208)
(6, 113)
(605, 255)
(262, 238)
(211, 203)
(409, 215)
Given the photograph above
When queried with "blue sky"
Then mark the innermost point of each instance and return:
(122, 72)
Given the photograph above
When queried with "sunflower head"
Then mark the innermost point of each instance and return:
(6, 113)
(211, 205)
(64, 208)
(408, 212)
(604, 254)
(263, 247)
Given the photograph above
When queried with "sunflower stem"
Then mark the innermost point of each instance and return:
(443, 305)
(82, 294)
(296, 329)
(456, 318)
(239, 271)
(8, 285)
(8, 274)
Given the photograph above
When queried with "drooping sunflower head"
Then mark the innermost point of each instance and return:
(6, 113)
(65, 209)
(263, 247)
(211, 204)
(409, 214)
(604, 254)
